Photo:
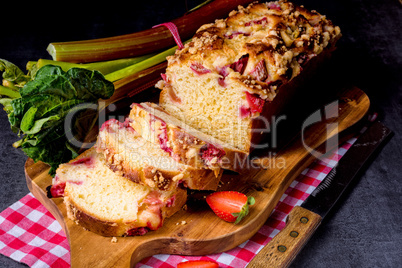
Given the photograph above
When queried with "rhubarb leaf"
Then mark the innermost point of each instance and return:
(54, 109)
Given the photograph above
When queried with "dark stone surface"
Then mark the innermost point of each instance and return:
(364, 229)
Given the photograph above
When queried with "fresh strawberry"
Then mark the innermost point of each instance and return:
(198, 264)
(230, 206)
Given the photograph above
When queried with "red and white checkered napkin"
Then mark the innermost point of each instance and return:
(30, 234)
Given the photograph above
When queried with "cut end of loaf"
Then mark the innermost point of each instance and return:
(108, 204)
(221, 81)
(184, 143)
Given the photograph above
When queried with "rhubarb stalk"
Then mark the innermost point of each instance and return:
(6, 91)
(142, 65)
(135, 83)
(105, 67)
(142, 42)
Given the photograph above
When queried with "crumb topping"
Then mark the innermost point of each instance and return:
(160, 181)
(279, 35)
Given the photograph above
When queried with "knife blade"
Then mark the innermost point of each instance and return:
(303, 220)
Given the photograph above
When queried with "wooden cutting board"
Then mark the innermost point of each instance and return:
(204, 233)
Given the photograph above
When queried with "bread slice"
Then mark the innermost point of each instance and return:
(184, 143)
(141, 161)
(108, 204)
(227, 80)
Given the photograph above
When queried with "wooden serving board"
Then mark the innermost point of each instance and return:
(204, 233)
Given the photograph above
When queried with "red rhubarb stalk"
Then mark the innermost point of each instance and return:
(141, 42)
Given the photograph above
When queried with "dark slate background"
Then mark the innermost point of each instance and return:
(364, 229)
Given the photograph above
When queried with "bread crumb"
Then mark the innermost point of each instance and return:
(114, 239)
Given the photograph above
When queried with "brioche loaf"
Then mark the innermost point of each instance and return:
(184, 143)
(141, 161)
(218, 94)
(238, 72)
(110, 205)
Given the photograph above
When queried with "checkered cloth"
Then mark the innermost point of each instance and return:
(31, 235)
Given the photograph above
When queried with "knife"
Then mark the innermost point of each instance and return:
(303, 220)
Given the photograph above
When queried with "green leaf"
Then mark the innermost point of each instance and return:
(12, 73)
(28, 119)
(6, 102)
(37, 126)
(44, 105)
(251, 200)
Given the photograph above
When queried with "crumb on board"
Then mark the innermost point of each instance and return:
(114, 239)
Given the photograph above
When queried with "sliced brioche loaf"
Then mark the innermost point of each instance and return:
(227, 80)
(141, 161)
(184, 143)
(110, 205)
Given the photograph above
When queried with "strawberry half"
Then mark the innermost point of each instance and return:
(198, 264)
(230, 206)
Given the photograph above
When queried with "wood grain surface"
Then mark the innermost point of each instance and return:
(204, 233)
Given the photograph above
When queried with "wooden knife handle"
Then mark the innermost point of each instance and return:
(283, 248)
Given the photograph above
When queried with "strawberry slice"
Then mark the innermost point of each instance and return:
(198, 264)
(230, 206)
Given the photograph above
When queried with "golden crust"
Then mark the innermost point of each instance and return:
(93, 224)
(152, 176)
(110, 228)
